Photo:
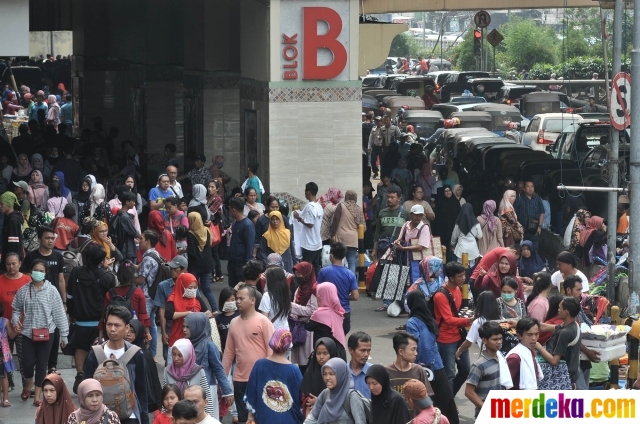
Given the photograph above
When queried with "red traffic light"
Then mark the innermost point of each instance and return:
(477, 34)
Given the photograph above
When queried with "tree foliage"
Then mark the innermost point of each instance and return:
(526, 43)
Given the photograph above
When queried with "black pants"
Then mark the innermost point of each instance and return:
(239, 389)
(36, 354)
(215, 255)
(346, 323)
(129, 421)
(314, 257)
(53, 355)
(376, 151)
(234, 272)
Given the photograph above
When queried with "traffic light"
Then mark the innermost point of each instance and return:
(477, 42)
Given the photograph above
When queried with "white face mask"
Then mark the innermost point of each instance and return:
(190, 293)
(229, 307)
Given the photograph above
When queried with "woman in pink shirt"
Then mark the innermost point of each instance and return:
(537, 303)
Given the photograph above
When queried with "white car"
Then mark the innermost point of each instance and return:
(544, 129)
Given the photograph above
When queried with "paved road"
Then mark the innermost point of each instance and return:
(363, 317)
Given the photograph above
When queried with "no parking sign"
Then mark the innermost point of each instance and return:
(620, 103)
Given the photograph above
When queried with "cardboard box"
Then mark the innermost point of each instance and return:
(608, 353)
(599, 344)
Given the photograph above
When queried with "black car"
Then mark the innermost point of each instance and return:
(510, 94)
(464, 77)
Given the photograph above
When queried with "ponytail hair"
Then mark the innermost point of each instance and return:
(541, 282)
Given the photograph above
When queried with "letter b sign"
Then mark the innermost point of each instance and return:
(313, 42)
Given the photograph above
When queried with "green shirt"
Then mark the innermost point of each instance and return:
(388, 220)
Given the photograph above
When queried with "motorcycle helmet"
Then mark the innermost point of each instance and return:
(456, 121)
(449, 123)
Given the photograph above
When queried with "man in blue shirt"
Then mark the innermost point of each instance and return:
(344, 280)
(242, 240)
(39, 104)
(359, 345)
(530, 211)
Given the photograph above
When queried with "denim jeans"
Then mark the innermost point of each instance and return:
(448, 355)
(204, 279)
(151, 311)
(352, 259)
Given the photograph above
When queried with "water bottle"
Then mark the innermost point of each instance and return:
(135, 316)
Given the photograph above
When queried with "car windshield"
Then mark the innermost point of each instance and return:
(369, 82)
(425, 129)
(516, 93)
(557, 125)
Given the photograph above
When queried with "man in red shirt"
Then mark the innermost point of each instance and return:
(424, 67)
(429, 98)
(452, 326)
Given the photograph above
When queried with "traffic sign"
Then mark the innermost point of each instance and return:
(482, 19)
(620, 102)
(494, 37)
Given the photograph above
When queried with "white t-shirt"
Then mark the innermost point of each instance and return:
(310, 237)
(556, 279)
(209, 420)
(473, 336)
(265, 306)
(117, 354)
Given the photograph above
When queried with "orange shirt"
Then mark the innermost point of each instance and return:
(623, 224)
(8, 289)
(247, 341)
(65, 229)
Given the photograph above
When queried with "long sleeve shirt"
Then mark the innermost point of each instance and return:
(247, 341)
(214, 370)
(12, 236)
(243, 236)
(449, 325)
(41, 309)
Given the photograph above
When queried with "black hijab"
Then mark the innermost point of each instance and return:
(419, 308)
(138, 328)
(466, 219)
(83, 196)
(447, 210)
(312, 382)
(389, 406)
(154, 388)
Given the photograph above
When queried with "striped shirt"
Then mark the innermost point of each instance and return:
(528, 208)
(485, 375)
(41, 309)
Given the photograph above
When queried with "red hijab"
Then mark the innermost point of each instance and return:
(593, 224)
(306, 289)
(166, 247)
(495, 277)
(181, 304)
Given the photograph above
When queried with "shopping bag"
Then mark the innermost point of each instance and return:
(395, 278)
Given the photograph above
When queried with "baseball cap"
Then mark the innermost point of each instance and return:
(201, 158)
(179, 262)
(417, 209)
(417, 392)
(621, 199)
(24, 186)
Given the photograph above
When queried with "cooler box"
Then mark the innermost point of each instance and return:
(609, 350)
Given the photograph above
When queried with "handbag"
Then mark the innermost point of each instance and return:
(532, 225)
(298, 332)
(38, 334)
(216, 237)
(377, 274)
(395, 277)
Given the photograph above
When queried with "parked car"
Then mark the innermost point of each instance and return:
(489, 88)
(544, 129)
(598, 156)
(464, 77)
(578, 138)
(539, 102)
(374, 81)
(511, 94)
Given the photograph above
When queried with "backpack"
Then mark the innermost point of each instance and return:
(452, 305)
(113, 375)
(163, 274)
(126, 300)
(366, 403)
(73, 256)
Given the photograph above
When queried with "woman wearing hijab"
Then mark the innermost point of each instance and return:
(329, 202)
(330, 405)
(347, 217)
(55, 201)
(512, 230)
(579, 225)
(81, 198)
(278, 379)
(53, 113)
(457, 192)
(166, 246)
(303, 306)
(426, 180)
(447, 211)
(66, 193)
(387, 405)
(199, 255)
(587, 237)
(92, 179)
(423, 326)
(197, 328)
(136, 335)
(530, 261)
(38, 191)
(57, 405)
(37, 162)
(181, 302)
(100, 235)
(492, 279)
(333, 195)
(466, 234)
(184, 372)
(277, 239)
(92, 410)
(312, 382)
(326, 321)
(97, 206)
(431, 277)
(22, 172)
(491, 228)
(199, 202)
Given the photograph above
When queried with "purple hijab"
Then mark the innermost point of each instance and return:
(189, 369)
(488, 214)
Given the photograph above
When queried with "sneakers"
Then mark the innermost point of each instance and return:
(79, 378)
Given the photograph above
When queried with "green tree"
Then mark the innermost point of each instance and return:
(575, 44)
(462, 56)
(526, 43)
(405, 45)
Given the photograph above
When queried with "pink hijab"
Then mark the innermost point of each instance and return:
(334, 195)
(330, 312)
(505, 204)
(189, 369)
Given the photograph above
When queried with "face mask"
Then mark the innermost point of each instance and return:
(300, 281)
(508, 296)
(37, 276)
(190, 293)
(54, 156)
(229, 307)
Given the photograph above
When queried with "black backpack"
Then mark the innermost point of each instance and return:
(126, 301)
(163, 274)
(452, 305)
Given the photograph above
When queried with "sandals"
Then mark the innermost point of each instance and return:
(6, 404)
(402, 328)
(381, 308)
(25, 395)
(53, 371)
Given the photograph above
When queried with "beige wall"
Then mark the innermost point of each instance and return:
(40, 43)
(389, 6)
(375, 50)
(221, 118)
(319, 142)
